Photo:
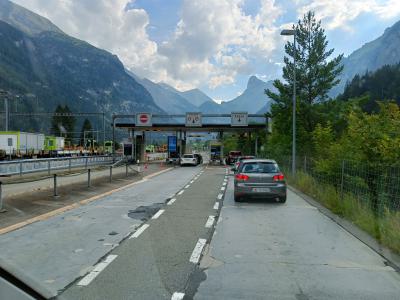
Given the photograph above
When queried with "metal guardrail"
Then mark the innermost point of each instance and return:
(26, 166)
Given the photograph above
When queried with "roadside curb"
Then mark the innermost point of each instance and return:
(83, 202)
(392, 258)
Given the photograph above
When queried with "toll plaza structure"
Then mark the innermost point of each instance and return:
(181, 124)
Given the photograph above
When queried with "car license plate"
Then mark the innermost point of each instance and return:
(261, 190)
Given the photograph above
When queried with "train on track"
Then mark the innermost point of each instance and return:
(18, 144)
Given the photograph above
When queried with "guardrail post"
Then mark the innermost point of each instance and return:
(305, 164)
(2, 210)
(126, 169)
(69, 164)
(48, 167)
(20, 168)
(88, 178)
(110, 173)
(55, 193)
(86, 162)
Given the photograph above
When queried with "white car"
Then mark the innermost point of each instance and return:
(189, 159)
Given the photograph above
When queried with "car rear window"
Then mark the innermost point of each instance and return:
(259, 167)
(188, 156)
(247, 157)
(235, 153)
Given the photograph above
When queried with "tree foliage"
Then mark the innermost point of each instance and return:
(86, 132)
(383, 84)
(316, 74)
(63, 125)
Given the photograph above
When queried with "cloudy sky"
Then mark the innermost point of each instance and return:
(211, 44)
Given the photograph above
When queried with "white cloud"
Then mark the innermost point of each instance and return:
(219, 32)
(212, 43)
(339, 13)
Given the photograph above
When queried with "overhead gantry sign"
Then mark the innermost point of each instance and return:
(191, 121)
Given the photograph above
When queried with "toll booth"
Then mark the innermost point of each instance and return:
(189, 122)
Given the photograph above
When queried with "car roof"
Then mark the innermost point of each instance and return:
(264, 160)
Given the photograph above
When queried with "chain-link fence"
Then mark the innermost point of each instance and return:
(376, 187)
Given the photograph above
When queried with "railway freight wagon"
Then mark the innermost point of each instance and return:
(53, 145)
(21, 144)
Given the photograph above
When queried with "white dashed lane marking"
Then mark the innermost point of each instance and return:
(171, 201)
(210, 221)
(216, 205)
(181, 192)
(158, 214)
(195, 257)
(139, 231)
(96, 271)
(177, 296)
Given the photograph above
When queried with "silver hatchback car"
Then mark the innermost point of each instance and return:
(259, 178)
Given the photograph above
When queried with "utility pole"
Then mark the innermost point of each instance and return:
(7, 112)
(289, 32)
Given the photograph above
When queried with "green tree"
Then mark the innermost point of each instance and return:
(86, 132)
(62, 123)
(316, 74)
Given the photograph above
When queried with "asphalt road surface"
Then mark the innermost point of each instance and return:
(180, 235)
(268, 250)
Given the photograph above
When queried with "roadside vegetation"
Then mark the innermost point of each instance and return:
(349, 147)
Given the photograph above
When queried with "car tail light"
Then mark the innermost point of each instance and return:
(242, 177)
(279, 177)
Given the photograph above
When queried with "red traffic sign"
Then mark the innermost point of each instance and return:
(143, 119)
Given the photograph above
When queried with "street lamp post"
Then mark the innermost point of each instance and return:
(293, 33)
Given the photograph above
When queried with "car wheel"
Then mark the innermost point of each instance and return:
(282, 199)
(237, 199)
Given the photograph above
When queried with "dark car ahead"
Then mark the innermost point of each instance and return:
(260, 179)
(233, 157)
(240, 159)
(199, 158)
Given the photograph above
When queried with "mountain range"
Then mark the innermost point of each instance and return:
(385, 50)
(46, 67)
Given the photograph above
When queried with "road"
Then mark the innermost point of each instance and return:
(180, 235)
(266, 250)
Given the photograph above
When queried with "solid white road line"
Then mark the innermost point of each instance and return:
(195, 257)
(177, 296)
(139, 231)
(187, 186)
(157, 214)
(96, 271)
(181, 192)
(216, 205)
(220, 196)
(210, 221)
(171, 201)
